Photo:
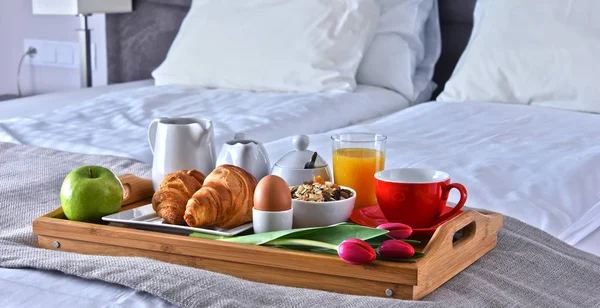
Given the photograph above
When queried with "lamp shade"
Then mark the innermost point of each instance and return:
(75, 7)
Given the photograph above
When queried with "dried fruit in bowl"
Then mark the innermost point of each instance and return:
(319, 179)
(319, 190)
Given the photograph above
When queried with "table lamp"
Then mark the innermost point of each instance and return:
(83, 9)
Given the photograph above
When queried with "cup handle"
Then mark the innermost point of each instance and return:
(461, 203)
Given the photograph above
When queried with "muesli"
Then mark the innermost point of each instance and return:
(319, 190)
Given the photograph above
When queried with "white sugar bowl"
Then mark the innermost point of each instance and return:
(293, 168)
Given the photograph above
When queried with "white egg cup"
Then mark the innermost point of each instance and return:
(265, 221)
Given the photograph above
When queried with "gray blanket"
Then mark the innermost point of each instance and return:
(528, 268)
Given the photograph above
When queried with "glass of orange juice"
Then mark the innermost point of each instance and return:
(356, 159)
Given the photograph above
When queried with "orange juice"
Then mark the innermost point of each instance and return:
(355, 168)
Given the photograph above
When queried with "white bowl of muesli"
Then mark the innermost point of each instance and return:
(320, 203)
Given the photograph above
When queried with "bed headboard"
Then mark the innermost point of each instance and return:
(456, 22)
(138, 42)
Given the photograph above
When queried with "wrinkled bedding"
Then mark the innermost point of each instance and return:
(116, 123)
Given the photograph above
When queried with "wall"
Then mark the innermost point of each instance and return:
(18, 23)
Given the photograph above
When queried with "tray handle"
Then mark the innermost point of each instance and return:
(476, 227)
(135, 188)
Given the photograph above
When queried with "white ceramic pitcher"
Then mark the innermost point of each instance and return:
(247, 154)
(181, 144)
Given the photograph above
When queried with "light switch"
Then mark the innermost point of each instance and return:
(65, 55)
(47, 54)
(62, 54)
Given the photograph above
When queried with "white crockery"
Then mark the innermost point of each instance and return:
(412, 175)
(249, 155)
(318, 214)
(291, 167)
(144, 217)
(181, 144)
(265, 221)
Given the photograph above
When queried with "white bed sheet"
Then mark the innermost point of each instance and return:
(116, 123)
(537, 164)
(26, 106)
(590, 243)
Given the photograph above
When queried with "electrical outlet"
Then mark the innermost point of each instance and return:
(56, 53)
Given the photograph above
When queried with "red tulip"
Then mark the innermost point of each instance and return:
(355, 251)
(397, 230)
(396, 249)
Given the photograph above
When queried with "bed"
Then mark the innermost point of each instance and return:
(474, 141)
(93, 121)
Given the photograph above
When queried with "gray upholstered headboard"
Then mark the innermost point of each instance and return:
(138, 42)
(456, 22)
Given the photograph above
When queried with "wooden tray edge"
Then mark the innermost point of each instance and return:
(480, 232)
(419, 274)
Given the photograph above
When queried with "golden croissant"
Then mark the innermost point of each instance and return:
(173, 194)
(225, 199)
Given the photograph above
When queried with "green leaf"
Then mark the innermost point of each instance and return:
(293, 242)
(334, 234)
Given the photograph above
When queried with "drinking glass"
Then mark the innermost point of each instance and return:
(356, 159)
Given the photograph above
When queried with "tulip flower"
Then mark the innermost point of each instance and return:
(397, 230)
(355, 251)
(396, 249)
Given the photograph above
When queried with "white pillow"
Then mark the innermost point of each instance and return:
(271, 45)
(405, 49)
(544, 53)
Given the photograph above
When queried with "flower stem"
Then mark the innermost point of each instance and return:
(411, 241)
(300, 242)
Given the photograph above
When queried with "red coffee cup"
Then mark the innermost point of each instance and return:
(416, 197)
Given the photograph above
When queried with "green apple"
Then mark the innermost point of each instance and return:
(90, 192)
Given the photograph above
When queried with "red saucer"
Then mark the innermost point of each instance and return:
(372, 217)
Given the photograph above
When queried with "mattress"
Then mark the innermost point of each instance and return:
(26, 106)
(116, 123)
(536, 164)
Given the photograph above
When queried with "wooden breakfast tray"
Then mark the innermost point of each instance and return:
(444, 256)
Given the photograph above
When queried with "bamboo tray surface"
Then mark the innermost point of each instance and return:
(445, 256)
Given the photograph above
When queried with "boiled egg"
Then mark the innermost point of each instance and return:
(272, 194)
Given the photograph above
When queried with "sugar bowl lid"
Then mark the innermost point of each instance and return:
(298, 158)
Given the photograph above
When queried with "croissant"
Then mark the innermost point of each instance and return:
(173, 194)
(225, 199)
